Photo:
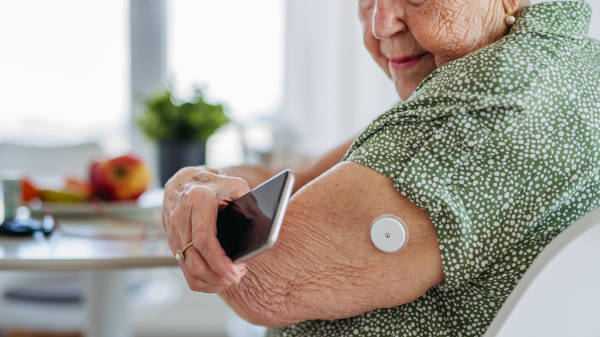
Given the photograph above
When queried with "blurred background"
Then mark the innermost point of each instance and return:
(293, 78)
(289, 73)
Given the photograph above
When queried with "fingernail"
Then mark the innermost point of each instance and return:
(243, 273)
(231, 278)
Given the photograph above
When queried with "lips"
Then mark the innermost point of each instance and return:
(405, 61)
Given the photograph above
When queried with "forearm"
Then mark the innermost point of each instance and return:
(292, 282)
(324, 265)
(321, 268)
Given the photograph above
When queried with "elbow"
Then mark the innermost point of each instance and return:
(259, 303)
(267, 317)
(270, 294)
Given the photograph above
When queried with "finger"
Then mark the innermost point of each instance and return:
(180, 232)
(173, 238)
(204, 234)
(174, 193)
(218, 261)
(173, 242)
(195, 264)
(200, 285)
(232, 189)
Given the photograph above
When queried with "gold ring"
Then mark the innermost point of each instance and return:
(179, 255)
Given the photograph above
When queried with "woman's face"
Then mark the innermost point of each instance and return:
(409, 39)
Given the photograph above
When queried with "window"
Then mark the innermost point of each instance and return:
(233, 49)
(64, 72)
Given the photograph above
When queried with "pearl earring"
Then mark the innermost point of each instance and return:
(510, 19)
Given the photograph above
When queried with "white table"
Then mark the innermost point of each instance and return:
(103, 261)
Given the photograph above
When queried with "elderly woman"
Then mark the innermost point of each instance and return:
(493, 153)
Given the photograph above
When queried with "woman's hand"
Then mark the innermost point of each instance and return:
(193, 197)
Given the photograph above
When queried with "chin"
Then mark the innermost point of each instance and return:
(407, 83)
(407, 80)
(405, 89)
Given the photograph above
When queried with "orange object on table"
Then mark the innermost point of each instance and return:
(28, 190)
(83, 188)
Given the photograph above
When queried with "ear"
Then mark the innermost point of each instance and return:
(514, 6)
(510, 6)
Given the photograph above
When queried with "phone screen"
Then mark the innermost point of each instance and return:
(244, 225)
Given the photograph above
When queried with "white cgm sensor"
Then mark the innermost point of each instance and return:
(389, 233)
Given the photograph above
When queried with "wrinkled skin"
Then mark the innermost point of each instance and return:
(444, 30)
(193, 198)
(324, 265)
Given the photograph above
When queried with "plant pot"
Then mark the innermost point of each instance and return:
(174, 156)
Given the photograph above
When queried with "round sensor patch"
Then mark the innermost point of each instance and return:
(389, 233)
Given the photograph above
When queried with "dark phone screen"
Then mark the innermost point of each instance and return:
(244, 225)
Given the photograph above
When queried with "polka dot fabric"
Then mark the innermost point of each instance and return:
(501, 149)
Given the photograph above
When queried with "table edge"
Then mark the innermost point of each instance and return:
(86, 264)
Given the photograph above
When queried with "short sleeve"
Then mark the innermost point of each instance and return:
(390, 149)
(461, 170)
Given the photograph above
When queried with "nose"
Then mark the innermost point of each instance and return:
(387, 19)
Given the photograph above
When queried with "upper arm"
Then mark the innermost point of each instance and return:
(324, 265)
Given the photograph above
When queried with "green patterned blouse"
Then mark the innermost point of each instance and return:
(501, 148)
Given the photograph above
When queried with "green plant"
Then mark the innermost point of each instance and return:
(185, 122)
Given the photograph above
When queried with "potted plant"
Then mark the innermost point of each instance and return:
(181, 129)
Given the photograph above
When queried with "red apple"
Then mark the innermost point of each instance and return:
(121, 178)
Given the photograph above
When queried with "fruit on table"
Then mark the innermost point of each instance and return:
(120, 178)
(83, 188)
(60, 196)
(28, 190)
(72, 190)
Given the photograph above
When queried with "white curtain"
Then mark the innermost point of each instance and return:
(333, 88)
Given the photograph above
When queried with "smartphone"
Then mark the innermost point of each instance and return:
(249, 226)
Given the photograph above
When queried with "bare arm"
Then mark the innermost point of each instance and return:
(325, 266)
(305, 172)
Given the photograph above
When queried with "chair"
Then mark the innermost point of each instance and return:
(560, 293)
